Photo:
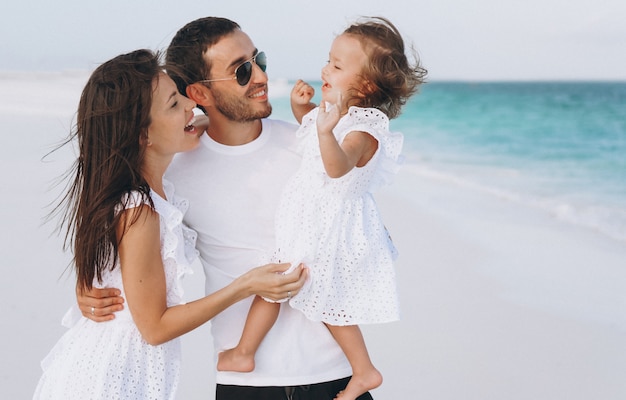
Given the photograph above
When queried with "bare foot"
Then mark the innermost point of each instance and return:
(232, 360)
(360, 383)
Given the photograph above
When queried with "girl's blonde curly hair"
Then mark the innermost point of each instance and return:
(389, 78)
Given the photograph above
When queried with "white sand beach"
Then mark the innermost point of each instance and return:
(499, 301)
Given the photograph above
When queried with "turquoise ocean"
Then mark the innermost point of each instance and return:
(556, 146)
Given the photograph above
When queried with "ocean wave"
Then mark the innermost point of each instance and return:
(604, 219)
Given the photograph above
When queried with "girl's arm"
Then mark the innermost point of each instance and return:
(301, 96)
(356, 149)
(144, 283)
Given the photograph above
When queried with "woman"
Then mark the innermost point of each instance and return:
(125, 226)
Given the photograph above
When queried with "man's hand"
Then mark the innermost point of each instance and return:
(201, 123)
(99, 304)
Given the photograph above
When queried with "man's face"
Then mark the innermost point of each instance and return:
(235, 102)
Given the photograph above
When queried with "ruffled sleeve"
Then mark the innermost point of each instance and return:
(177, 241)
(376, 123)
(190, 236)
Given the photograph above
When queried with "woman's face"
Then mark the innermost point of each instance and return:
(171, 130)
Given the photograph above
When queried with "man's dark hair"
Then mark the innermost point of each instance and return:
(184, 60)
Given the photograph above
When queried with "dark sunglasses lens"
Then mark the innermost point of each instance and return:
(261, 61)
(243, 73)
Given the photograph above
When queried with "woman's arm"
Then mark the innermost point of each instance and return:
(144, 283)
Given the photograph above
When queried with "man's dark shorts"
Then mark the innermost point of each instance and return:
(318, 391)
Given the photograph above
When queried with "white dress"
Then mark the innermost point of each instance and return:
(110, 360)
(334, 226)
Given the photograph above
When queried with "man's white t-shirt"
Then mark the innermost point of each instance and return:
(233, 194)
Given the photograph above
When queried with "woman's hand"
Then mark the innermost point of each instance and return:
(99, 304)
(271, 282)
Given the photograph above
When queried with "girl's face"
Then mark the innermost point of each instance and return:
(342, 73)
(171, 130)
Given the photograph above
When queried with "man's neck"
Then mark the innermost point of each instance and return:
(232, 133)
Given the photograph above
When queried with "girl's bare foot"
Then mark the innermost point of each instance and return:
(360, 383)
(231, 360)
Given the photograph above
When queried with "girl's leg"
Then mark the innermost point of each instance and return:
(364, 375)
(261, 318)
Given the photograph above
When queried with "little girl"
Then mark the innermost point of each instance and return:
(327, 217)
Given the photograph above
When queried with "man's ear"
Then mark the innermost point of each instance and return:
(200, 94)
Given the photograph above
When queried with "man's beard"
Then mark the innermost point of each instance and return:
(237, 109)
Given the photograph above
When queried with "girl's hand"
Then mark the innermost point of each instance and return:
(328, 116)
(301, 96)
(302, 93)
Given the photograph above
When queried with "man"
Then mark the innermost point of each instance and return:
(233, 182)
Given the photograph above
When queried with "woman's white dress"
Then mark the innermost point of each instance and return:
(334, 226)
(110, 360)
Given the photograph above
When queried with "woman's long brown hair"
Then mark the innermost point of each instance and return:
(111, 126)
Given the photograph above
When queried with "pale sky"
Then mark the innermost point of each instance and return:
(456, 39)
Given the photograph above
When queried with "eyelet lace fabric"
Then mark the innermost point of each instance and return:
(334, 226)
(110, 360)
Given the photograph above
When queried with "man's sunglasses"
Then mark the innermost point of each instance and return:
(243, 72)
